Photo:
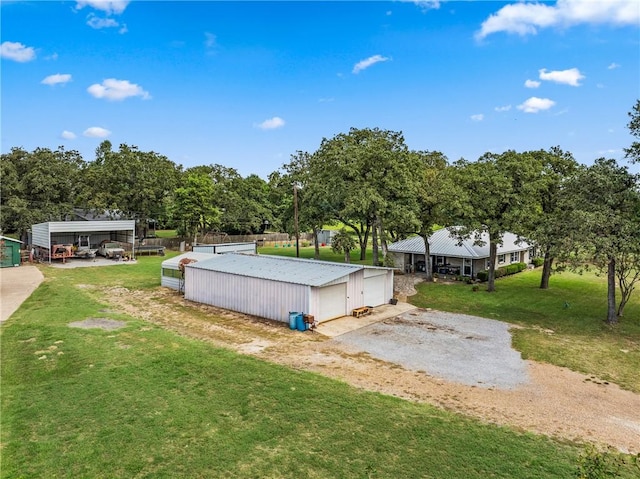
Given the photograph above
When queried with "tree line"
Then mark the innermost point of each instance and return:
(367, 180)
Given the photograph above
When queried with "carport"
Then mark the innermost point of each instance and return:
(45, 235)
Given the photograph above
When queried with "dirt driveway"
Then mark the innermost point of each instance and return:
(551, 400)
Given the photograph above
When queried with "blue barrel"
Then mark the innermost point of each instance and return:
(300, 324)
(292, 320)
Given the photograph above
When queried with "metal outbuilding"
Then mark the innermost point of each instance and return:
(221, 248)
(171, 276)
(10, 252)
(44, 235)
(273, 286)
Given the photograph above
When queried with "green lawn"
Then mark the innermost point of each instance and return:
(143, 402)
(166, 234)
(562, 325)
(326, 254)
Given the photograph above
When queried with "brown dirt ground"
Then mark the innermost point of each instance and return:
(557, 402)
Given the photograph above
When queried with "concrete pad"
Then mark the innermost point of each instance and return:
(89, 262)
(345, 324)
(16, 285)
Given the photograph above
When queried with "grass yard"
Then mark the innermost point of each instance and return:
(144, 402)
(308, 252)
(562, 325)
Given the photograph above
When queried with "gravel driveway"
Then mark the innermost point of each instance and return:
(456, 347)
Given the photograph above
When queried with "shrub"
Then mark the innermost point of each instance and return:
(501, 271)
(511, 269)
(537, 262)
(482, 275)
(521, 266)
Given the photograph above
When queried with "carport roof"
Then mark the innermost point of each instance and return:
(277, 268)
(442, 243)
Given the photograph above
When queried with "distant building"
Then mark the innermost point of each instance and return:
(448, 255)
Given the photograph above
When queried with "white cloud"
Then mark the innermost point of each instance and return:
(426, 5)
(532, 84)
(17, 52)
(271, 123)
(96, 132)
(503, 108)
(613, 66)
(210, 40)
(567, 77)
(535, 104)
(107, 6)
(116, 90)
(69, 135)
(56, 79)
(367, 62)
(527, 18)
(96, 22)
(478, 117)
(326, 100)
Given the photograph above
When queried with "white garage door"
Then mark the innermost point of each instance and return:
(333, 301)
(374, 290)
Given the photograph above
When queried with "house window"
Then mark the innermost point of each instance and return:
(439, 260)
(515, 257)
(532, 253)
(500, 259)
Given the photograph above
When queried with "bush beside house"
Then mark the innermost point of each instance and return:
(503, 271)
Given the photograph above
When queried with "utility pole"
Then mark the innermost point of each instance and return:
(295, 218)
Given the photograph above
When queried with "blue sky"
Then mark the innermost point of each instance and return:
(247, 84)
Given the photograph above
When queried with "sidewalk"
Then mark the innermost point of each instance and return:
(338, 326)
(16, 285)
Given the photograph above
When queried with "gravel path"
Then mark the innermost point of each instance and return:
(456, 347)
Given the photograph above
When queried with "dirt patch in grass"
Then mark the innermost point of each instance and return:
(556, 401)
(98, 323)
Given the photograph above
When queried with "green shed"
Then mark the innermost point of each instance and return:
(9, 252)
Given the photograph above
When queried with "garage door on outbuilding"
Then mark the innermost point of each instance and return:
(272, 286)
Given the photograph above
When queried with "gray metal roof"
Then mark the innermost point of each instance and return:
(442, 243)
(173, 262)
(278, 268)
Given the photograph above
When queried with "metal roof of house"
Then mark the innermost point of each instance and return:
(442, 243)
(278, 268)
(173, 262)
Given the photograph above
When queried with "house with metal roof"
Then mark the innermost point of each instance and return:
(273, 286)
(449, 255)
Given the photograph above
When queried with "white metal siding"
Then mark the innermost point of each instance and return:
(169, 282)
(40, 235)
(236, 248)
(225, 248)
(88, 226)
(333, 302)
(255, 296)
